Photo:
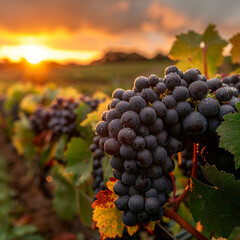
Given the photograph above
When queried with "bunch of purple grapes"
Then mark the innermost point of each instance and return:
(98, 155)
(63, 118)
(145, 126)
(39, 120)
(93, 103)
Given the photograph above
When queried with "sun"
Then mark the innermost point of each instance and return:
(33, 53)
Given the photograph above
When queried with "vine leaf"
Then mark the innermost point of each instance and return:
(150, 226)
(186, 49)
(66, 193)
(108, 218)
(214, 45)
(216, 206)
(23, 138)
(79, 160)
(107, 169)
(29, 103)
(189, 49)
(230, 134)
(60, 147)
(235, 51)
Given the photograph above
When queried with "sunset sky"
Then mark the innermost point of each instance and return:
(74, 30)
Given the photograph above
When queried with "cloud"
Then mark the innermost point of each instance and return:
(112, 24)
(118, 16)
(35, 16)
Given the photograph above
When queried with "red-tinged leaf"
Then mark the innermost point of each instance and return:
(150, 226)
(107, 216)
(132, 230)
(111, 183)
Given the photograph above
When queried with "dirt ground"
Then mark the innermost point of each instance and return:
(38, 208)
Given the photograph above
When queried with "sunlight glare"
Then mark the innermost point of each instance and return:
(33, 53)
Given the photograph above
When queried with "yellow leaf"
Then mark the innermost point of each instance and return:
(29, 103)
(100, 95)
(150, 226)
(68, 92)
(132, 230)
(108, 218)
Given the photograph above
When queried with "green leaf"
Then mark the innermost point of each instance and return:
(47, 154)
(193, 49)
(107, 169)
(60, 148)
(214, 45)
(84, 208)
(186, 49)
(235, 51)
(79, 160)
(82, 111)
(65, 199)
(215, 206)
(229, 131)
(22, 138)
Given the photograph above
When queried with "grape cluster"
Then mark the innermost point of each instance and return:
(140, 151)
(92, 103)
(63, 118)
(145, 126)
(98, 154)
(232, 81)
(39, 120)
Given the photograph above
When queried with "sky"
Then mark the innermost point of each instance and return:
(75, 30)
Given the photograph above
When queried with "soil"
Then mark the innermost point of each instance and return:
(37, 207)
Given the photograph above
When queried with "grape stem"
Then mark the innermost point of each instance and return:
(180, 198)
(171, 213)
(205, 61)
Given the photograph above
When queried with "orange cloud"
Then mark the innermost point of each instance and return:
(165, 17)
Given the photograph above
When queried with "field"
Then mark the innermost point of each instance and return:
(104, 77)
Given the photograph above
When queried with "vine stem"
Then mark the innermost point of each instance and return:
(180, 198)
(195, 160)
(171, 213)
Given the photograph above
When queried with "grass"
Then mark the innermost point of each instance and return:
(107, 77)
